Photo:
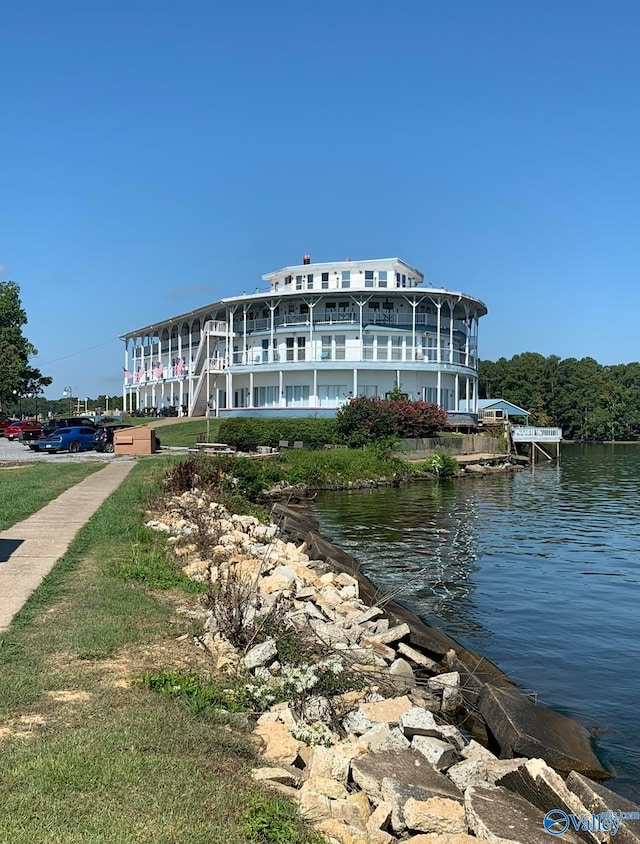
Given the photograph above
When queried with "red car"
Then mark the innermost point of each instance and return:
(12, 432)
(4, 423)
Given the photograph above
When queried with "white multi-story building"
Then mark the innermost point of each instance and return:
(320, 334)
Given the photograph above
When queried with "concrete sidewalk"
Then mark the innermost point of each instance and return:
(30, 549)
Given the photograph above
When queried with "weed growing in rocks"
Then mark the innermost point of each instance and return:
(233, 599)
(273, 820)
(199, 695)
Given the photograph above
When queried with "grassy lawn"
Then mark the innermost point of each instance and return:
(186, 433)
(88, 753)
(26, 487)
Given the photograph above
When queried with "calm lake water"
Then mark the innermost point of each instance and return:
(538, 570)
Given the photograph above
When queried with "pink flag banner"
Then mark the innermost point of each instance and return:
(179, 366)
(158, 369)
(127, 374)
(139, 374)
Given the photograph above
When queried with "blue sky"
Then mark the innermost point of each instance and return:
(159, 156)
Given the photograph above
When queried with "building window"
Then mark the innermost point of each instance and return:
(367, 347)
(382, 278)
(325, 281)
(288, 279)
(241, 397)
(298, 282)
(346, 278)
(310, 281)
(302, 344)
(297, 396)
(326, 347)
(368, 390)
(383, 347)
(368, 278)
(340, 340)
(396, 348)
(331, 394)
(290, 342)
(265, 397)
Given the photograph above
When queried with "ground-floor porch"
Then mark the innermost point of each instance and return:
(295, 391)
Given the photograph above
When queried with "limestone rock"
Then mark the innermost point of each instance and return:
(597, 798)
(380, 817)
(387, 653)
(392, 634)
(438, 753)
(327, 786)
(452, 678)
(452, 699)
(522, 728)
(498, 815)
(356, 722)
(285, 776)
(534, 780)
(437, 815)
(313, 805)
(386, 711)
(418, 657)
(480, 771)
(406, 766)
(260, 654)
(382, 737)
(417, 721)
(402, 671)
(474, 750)
(334, 761)
(280, 746)
(339, 832)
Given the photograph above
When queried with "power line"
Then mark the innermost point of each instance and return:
(75, 354)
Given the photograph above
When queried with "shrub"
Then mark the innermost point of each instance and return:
(252, 431)
(364, 420)
(442, 464)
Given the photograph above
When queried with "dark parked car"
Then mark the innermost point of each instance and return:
(30, 436)
(78, 438)
(103, 439)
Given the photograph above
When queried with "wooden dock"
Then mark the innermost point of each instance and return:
(536, 437)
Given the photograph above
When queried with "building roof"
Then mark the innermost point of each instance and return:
(502, 404)
(347, 263)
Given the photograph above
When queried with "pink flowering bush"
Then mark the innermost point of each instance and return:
(366, 420)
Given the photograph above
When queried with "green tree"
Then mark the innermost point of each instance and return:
(15, 350)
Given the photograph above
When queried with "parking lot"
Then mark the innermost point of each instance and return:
(15, 452)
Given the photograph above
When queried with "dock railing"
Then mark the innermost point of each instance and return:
(530, 434)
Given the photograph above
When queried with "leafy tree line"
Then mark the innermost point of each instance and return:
(587, 400)
(17, 377)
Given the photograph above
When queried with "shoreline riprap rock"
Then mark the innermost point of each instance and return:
(385, 760)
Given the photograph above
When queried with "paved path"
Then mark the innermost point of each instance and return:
(30, 549)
